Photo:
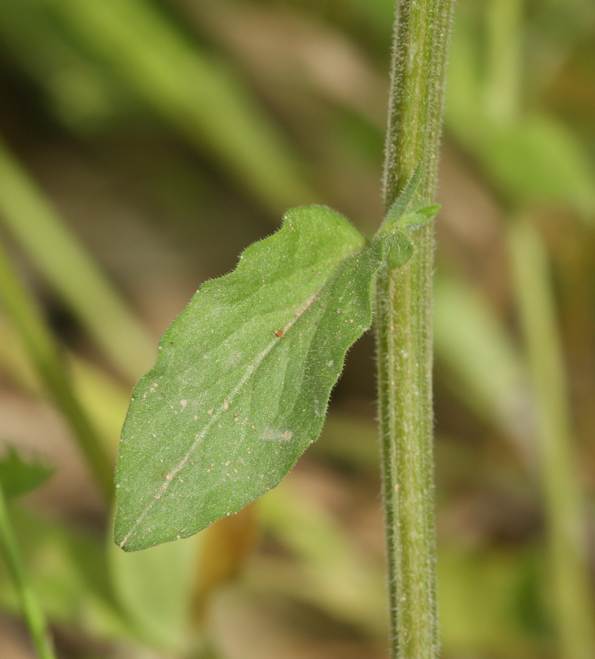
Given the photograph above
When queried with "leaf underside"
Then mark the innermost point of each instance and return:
(243, 378)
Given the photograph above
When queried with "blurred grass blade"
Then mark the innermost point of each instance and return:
(557, 28)
(154, 588)
(505, 624)
(189, 89)
(44, 354)
(565, 511)
(531, 159)
(104, 397)
(535, 161)
(31, 609)
(503, 78)
(333, 574)
(77, 91)
(70, 270)
(67, 567)
(489, 375)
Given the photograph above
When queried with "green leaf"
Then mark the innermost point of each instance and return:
(243, 379)
(418, 218)
(395, 249)
(405, 199)
(17, 476)
(392, 239)
(402, 218)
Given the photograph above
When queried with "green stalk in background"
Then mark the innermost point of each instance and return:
(502, 89)
(70, 271)
(572, 610)
(403, 330)
(32, 611)
(564, 508)
(76, 91)
(44, 354)
(487, 369)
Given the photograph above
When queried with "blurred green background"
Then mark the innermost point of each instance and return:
(143, 144)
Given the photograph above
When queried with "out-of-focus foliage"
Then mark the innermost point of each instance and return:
(145, 143)
(19, 476)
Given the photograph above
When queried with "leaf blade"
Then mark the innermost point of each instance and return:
(243, 379)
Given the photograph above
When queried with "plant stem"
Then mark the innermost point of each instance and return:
(31, 608)
(45, 356)
(565, 509)
(403, 330)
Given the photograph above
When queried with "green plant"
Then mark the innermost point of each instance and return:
(102, 105)
(45, 356)
(243, 378)
(214, 110)
(572, 607)
(404, 330)
(69, 269)
(531, 159)
(16, 478)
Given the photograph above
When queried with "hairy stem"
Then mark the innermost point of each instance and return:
(32, 611)
(403, 330)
